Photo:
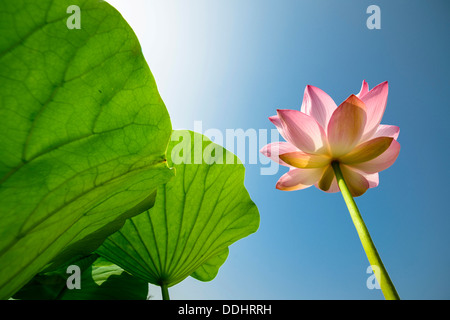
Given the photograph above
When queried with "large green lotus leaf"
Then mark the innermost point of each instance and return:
(99, 280)
(83, 133)
(197, 215)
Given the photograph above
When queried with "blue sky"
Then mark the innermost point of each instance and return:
(231, 64)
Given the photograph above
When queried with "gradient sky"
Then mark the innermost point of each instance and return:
(232, 63)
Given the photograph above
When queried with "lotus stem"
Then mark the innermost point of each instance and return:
(165, 291)
(387, 287)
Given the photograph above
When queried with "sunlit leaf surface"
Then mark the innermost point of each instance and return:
(199, 213)
(83, 133)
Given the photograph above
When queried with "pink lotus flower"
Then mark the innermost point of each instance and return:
(322, 133)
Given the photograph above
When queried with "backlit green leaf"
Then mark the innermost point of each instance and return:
(83, 133)
(199, 213)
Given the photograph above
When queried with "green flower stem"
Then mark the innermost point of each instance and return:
(165, 292)
(382, 276)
